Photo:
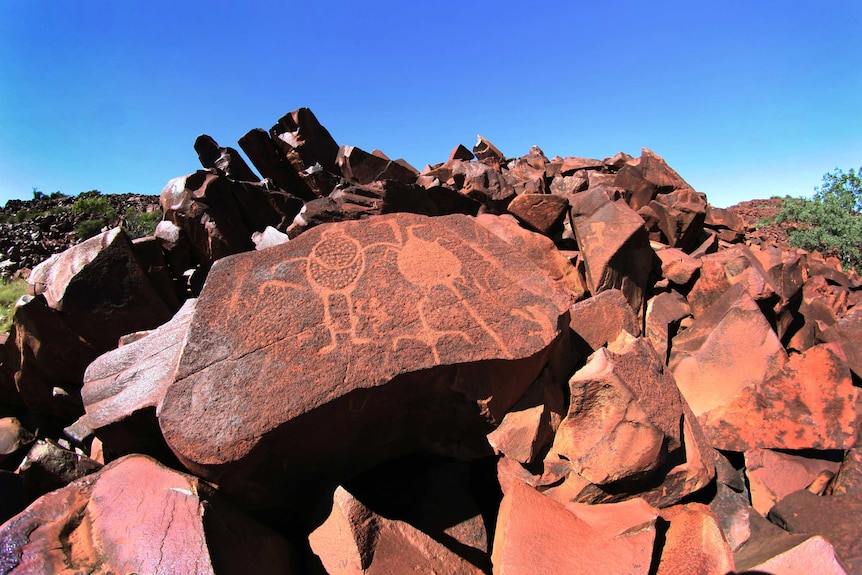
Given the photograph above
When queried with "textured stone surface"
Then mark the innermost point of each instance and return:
(601, 318)
(835, 518)
(532, 530)
(812, 555)
(123, 389)
(136, 516)
(355, 540)
(614, 245)
(693, 542)
(728, 268)
(663, 315)
(773, 475)
(540, 212)
(457, 324)
(678, 266)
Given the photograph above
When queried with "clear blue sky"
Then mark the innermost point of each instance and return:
(745, 99)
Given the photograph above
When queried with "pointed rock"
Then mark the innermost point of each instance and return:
(772, 475)
(693, 542)
(228, 160)
(540, 212)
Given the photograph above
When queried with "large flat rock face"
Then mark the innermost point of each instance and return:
(399, 329)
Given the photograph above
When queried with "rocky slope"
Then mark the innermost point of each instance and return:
(492, 365)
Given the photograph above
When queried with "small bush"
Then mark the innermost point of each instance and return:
(86, 229)
(10, 292)
(95, 207)
(139, 224)
(830, 222)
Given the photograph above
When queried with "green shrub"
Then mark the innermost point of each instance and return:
(95, 207)
(830, 222)
(10, 292)
(86, 229)
(139, 224)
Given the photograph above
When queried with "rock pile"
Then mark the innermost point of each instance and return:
(490, 365)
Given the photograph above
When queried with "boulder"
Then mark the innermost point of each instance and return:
(360, 167)
(532, 530)
(726, 268)
(772, 475)
(265, 156)
(458, 325)
(305, 142)
(178, 524)
(354, 540)
(614, 245)
(601, 319)
(693, 542)
(847, 333)
(664, 312)
(645, 177)
(227, 160)
(678, 266)
(540, 212)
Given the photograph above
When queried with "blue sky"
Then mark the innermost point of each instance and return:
(744, 99)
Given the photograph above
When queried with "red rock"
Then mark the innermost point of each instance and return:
(813, 555)
(647, 176)
(533, 529)
(49, 466)
(678, 266)
(487, 152)
(663, 314)
(151, 258)
(786, 269)
(100, 289)
(719, 218)
(227, 160)
(455, 296)
(304, 141)
(538, 249)
(847, 333)
(572, 164)
(88, 525)
(733, 512)
(540, 212)
(772, 475)
(848, 481)
(835, 518)
(355, 540)
(566, 185)
(461, 153)
(727, 268)
(625, 419)
(600, 319)
(265, 156)
(694, 543)
(123, 389)
(809, 404)
(616, 161)
(712, 368)
(680, 217)
(482, 183)
(530, 424)
(614, 245)
(360, 167)
(14, 437)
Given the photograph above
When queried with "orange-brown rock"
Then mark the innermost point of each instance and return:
(680, 215)
(600, 319)
(835, 518)
(693, 542)
(724, 354)
(811, 555)
(305, 142)
(354, 540)
(727, 268)
(809, 404)
(647, 176)
(540, 212)
(136, 516)
(678, 266)
(533, 530)
(772, 475)
(275, 369)
(664, 312)
(614, 245)
(847, 333)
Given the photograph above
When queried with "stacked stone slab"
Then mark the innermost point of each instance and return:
(492, 365)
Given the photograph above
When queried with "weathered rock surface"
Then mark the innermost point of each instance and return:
(459, 326)
(136, 516)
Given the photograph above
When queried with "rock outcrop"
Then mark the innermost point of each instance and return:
(492, 365)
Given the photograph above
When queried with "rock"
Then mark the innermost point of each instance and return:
(461, 153)
(772, 475)
(14, 438)
(712, 369)
(646, 177)
(360, 167)
(305, 142)
(678, 266)
(268, 238)
(540, 212)
(719, 218)
(680, 216)
(88, 525)
(613, 244)
(455, 297)
(48, 466)
(601, 319)
(355, 540)
(727, 268)
(835, 518)
(628, 431)
(530, 424)
(733, 512)
(693, 542)
(265, 156)
(847, 333)
(809, 404)
(812, 555)
(663, 315)
(227, 160)
(484, 184)
(538, 249)
(101, 290)
(848, 480)
(124, 388)
(487, 152)
(532, 530)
